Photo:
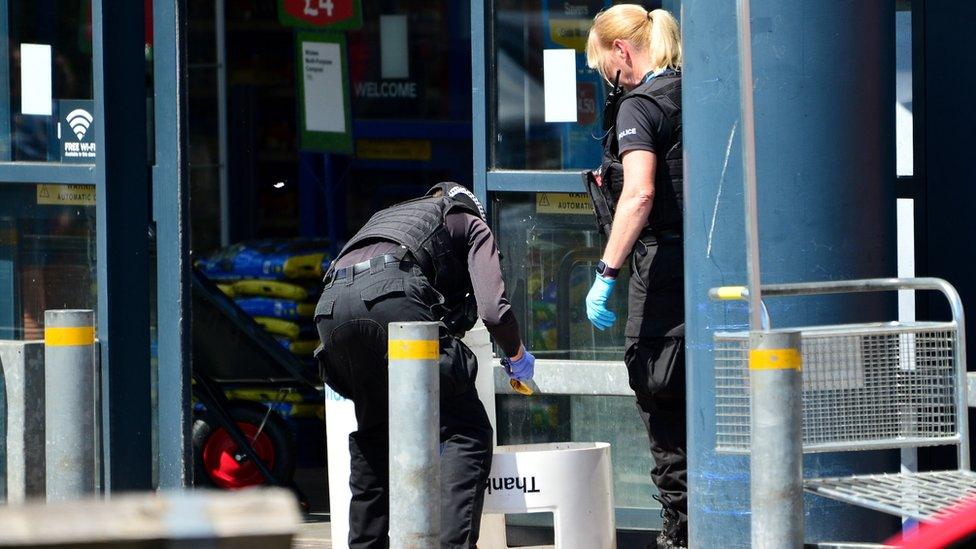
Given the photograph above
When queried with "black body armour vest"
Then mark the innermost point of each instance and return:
(418, 226)
(666, 214)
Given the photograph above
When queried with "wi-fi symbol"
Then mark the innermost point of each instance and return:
(79, 120)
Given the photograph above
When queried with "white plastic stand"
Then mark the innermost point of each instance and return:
(572, 480)
(340, 421)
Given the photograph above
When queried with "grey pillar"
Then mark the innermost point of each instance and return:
(415, 511)
(69, 403)
(824, 99)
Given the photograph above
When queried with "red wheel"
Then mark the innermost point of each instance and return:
(219, 462)
(228, 466)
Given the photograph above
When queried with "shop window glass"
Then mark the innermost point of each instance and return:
(411, 60)
(522, 138)
(47, 109)
(549, 258)
(47, 254)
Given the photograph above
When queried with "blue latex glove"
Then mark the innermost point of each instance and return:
(596, 303)
(521, 369)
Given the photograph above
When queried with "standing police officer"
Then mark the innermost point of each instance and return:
(639, 191)
(428, 259)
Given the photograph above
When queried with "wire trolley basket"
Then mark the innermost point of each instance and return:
(866, 386)
(863, 385)
(873, 385)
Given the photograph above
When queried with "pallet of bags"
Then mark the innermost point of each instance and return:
(277, 283)
(293, 259)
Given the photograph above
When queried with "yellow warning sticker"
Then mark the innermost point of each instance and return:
(66, 195)
(563, 203)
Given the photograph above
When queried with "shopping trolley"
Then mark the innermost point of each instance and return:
(865, 387)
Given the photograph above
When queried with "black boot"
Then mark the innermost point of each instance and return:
(674, 533)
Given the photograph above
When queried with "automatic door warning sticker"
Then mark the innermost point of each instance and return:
(66, 195)
(563, 203)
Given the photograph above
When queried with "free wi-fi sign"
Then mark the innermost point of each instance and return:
(79, 120)
(77, 130)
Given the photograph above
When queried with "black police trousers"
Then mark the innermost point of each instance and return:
(655, 358)
(352, 317)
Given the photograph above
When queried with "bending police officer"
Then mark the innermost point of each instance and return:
(428, 259)
(639, 192)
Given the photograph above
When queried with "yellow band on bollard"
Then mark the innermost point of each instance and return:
(69, 337)
(414, 349)
(774, 359)
(730, 292)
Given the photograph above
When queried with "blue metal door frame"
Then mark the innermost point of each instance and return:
(120, 175)
(170, 211)
(122, 236)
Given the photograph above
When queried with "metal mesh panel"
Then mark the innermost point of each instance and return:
(870, 385)
(924, 496)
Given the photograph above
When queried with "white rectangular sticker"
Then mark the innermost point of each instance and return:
(35, 79)
(325, 103)
(394, 48)
(559, 76)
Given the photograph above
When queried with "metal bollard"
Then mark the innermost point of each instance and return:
(776, 464)
(415, 511)
(69, 403)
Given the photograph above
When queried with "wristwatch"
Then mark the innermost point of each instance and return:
(605, 270)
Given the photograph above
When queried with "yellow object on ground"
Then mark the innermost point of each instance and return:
(304, 266)
(271, 288)
(520, 387)
(278, 327)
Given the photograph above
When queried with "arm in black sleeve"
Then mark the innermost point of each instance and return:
(486, 279)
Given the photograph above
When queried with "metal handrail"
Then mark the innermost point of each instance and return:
(741, 293)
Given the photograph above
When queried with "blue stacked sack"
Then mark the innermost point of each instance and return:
(296, 259)
(276, 308)
(277, 283)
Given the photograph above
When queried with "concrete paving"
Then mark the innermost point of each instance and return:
(314, 533)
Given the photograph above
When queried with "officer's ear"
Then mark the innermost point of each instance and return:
(620, 48)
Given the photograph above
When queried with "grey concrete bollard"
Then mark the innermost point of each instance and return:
(776, 463)
(69, 404)
(23, 375)
(414, 354)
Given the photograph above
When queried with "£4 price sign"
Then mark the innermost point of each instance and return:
(322, 14)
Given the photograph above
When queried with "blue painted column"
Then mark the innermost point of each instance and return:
(824, 99)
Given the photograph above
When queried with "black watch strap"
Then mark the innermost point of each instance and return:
(606, 271)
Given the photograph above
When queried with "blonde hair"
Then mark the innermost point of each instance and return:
(655, 31)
